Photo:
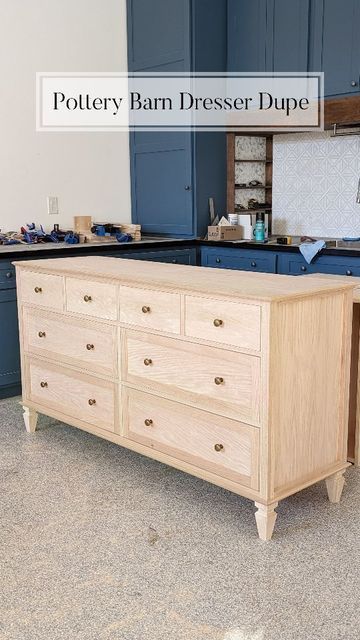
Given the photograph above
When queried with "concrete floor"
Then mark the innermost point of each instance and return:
(99, 543)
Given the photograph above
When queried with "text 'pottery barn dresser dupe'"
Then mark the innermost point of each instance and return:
(237, 378)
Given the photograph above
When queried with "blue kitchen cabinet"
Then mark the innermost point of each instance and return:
(335, 44)
(9, 344)
(242, 259)
(246, 35)
(173, 174)
(173, 256)
(294, 264)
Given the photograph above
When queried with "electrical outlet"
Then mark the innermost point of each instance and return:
(52, 205)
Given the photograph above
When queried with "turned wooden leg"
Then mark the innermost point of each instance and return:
(265, 519)
(335, 485)
(30, 418)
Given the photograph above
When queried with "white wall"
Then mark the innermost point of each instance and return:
(315, 182)
(89, 172)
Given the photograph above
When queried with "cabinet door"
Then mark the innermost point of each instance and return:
(9, 344)
(287, 34)
(335, 44)
(246, 35)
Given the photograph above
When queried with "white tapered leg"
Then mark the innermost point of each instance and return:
(335, 485)
(30, 418)
(265, 519)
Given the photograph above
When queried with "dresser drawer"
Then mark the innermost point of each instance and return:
(150, 309)
(70, 340)
(97, 299)
(42, 289)
(220, 381)
(232, 323)
(222, 446)
(74, 394)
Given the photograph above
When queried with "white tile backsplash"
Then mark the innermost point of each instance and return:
(315, 180)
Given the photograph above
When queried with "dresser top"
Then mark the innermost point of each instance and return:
(238, 284)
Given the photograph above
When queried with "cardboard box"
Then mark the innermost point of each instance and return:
(225, 232)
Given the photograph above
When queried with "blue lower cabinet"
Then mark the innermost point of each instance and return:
(242, 259)
(295, 265)
(179, 256)
(9, 345)
(7, 275)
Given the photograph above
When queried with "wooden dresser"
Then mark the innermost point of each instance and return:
(238, 378)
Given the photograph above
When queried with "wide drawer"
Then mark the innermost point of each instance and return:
(74, 394)
(150, 309)
(221, 381)
(42, 289)
(232, 323)
(96, 299)
(224, 447)
(83, 343)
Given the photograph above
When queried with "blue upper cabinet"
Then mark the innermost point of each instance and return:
(335, 44)
(174, 174)
(246, 35)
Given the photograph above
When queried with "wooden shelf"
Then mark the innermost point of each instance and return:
(258, 210)
(264, 160)
(258, 186)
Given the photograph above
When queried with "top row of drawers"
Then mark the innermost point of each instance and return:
(232, 323)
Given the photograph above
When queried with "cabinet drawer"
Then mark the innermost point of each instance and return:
(243, 260)
(97, 299)
(74, 394)
(232, 323)
(220, 381)
(42, 289)
(150, 309)
(71, 340)
(7, 275)
(225, 447)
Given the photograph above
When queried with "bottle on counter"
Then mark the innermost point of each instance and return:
(259, 232)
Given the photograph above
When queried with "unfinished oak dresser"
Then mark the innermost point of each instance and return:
(238, 378)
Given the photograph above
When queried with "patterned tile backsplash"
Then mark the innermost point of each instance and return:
(315, 180)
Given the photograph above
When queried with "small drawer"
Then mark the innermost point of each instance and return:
(229, 323)
(150, 309)
(97, 299)
(7, 275)
(42, 289)
(74, 394)
(227, 448)
(220, 381)
(80, 342)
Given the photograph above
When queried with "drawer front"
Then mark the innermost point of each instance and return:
(150, 309)
(7, 275)
(180, 256)
(75, 394)
(231, 323)
(336, 265)
(222, 446)
(97, 299)
(219, 381)
(71, 340)
(42, 289)
(243, 260)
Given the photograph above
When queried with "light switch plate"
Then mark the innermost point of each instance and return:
(52, 205)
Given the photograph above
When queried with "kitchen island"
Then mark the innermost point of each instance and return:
(241, 379)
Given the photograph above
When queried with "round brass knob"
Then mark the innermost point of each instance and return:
(218, 381)
(145, 309)
(43, 384)
(148, 422)
(38, 290)
(147, 362)
(90, 347)
(91, 402)
(87, 298)
(42, 334)
(218, 323)
(218, 447)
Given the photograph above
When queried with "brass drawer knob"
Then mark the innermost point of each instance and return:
(148, 422)
(219, 380)
(43, 385)
(87, 298)
(42, 334)
(38, 290)
(218, 447)
(218, 322)
(91, 402)
(90, 347)
(145, 309)
(147, 362)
